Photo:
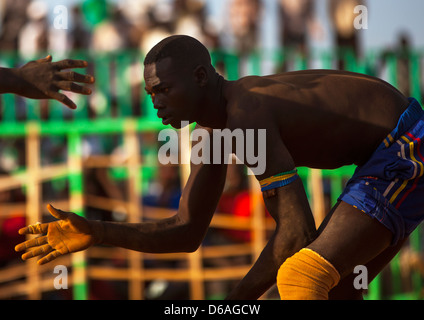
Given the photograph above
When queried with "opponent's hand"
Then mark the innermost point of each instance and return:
(42, 79)
(71, 233)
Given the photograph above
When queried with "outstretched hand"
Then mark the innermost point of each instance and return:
(71, 233)
(42, 79)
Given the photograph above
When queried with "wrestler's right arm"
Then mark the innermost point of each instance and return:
(182, 232)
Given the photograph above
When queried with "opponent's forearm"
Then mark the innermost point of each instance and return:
(9, 81)
(168, 235)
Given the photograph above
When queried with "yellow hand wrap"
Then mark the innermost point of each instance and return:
(306, 276)
(35, 228)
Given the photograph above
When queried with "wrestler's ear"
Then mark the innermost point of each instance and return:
(201, 75)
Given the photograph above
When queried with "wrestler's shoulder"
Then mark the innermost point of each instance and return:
(247, 109)
(250, 92)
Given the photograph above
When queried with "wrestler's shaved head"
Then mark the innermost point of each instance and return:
(185, 51)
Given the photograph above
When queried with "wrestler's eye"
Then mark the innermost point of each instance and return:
(152, 95)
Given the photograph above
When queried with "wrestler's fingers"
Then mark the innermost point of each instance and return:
(75, 76)
(50, 257)
(57, 213)
(46, 59)
(63, 99)
(37, 251)
(31, 243)
(70, 64)
(73, 87)
(37, 228)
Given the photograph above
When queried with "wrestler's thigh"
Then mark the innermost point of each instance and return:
(345, 290)
(351, 238)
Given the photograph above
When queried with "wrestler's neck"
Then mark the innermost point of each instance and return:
(213, 111)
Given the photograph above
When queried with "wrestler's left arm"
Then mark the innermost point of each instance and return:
(295, 227)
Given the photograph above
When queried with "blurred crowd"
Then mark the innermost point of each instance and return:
(100, 25)
(27, 28)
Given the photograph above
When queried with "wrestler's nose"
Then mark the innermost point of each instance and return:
(156, 103)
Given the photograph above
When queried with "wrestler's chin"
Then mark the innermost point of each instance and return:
(168, 121)
(176, 124)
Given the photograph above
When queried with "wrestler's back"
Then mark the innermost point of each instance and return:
(326, 119)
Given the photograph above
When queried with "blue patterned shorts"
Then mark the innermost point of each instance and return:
(390, 186)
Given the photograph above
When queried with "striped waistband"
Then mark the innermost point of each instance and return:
(411, 115)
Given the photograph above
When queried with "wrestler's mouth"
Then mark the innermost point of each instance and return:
(165, 119)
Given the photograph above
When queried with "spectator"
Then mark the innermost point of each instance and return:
(107, 36)
(191, 19)
(80, 36)
(136, 12)
(14, 18)
(297, 22)
(33, 37)
(346, 37)
(244, 25)
(161, 24)
(402, 53)
(166, 191)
